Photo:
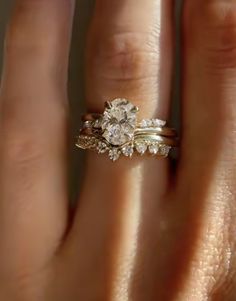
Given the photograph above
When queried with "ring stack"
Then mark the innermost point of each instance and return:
(118, 132)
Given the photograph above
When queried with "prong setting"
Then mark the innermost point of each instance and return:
(118, 133)
(108, 105)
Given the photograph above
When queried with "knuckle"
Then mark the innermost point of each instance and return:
(21, 148)
(23, 35)
(22, 43)
(124, 56)
(212, 31)
(21, 144)
(28, 137)
(224, 274)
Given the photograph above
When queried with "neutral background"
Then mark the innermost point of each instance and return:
(76, 71)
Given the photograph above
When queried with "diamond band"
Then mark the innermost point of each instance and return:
(119, 133)
(139, 147)
(95, 120)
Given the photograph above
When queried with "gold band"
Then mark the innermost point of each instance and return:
(118, 132)
(165, 132)
(153, 145)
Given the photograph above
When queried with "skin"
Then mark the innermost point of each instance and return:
(141, 230)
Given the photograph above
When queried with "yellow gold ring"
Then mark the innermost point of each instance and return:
(119, 132)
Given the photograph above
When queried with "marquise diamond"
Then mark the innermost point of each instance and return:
(101, 147)
(153, 149)
(114, 154)
(128, 150)
(141, 147)
(164, 150)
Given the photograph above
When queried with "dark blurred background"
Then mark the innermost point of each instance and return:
(76, 78)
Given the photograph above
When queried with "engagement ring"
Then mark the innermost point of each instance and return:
(118, 132)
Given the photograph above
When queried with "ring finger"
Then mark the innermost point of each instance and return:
(129, 55)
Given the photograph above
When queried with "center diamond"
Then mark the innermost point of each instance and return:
(119, 121)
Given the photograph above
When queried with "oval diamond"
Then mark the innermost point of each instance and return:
(119, 121)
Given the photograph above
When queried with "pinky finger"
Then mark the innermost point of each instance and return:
(207, 179)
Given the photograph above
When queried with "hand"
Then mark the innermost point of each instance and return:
(141, 231)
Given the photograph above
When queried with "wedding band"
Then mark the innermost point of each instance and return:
(165, 132)
(119, 132)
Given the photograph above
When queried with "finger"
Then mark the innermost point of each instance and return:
(129, 55)
(124, 58)
(208, 152)
(33, 193)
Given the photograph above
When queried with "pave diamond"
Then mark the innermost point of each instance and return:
(119, 121)
(86, 142)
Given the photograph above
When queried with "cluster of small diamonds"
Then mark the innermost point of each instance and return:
(86, 142)
(146, 123)
(114, 132)
(140, 147)
(152, 148)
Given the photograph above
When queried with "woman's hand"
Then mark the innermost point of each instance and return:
(141, 231)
